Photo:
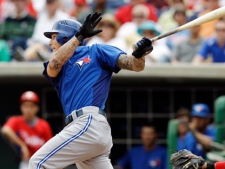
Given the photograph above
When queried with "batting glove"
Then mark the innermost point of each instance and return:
(142, 47)
(87, 29)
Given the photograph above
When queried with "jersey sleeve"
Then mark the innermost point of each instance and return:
(55, 80)
(108, 55)
(12, 123)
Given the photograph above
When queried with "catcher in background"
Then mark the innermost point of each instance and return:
(185, 159)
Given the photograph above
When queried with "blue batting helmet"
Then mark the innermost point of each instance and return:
(65, 30)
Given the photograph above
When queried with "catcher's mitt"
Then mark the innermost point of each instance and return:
(179, 160)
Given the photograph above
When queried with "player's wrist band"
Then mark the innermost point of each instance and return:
(219, 165)
(210, 166)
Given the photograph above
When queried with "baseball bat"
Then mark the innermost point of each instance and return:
(215, 14)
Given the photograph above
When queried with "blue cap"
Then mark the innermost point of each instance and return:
(200, 110)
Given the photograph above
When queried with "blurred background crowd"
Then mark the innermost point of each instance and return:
(124, 22)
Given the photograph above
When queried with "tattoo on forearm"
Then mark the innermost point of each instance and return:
(54, 64)
(63, 54)
(139, 62)
(130, 62)
(123, 62)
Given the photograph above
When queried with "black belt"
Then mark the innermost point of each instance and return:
(79, 113)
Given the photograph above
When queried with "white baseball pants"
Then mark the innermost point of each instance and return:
(86, 142)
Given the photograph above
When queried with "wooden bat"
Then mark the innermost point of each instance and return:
(215, 14)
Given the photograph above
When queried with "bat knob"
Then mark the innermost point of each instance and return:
(135, 47)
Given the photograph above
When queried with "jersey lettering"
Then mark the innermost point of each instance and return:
(32, 140)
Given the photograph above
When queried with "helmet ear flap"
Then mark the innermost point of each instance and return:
(62, 38)
(65, 38)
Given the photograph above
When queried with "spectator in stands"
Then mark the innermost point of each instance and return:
(148, 155)
(207, 29)
(166, 19)
(181, 18)
(200, 135)
(109, 27)
(27, 131)
(183, 114)
(128, 30)
(67, 5)
(38, 48)
(160, 5)
(18, 27)
(4, 51)
(161, 52)
(186, 50)
(221, 2)
(6, 8)
(196, 5)
(31, 9)
(38, 6)
(212, 49)
(124, 13)
(97, 5)
(80, 7)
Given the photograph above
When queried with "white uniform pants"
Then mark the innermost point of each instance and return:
(86, 142)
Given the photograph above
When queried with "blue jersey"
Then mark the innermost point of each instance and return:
(139, 158)
(85, 78)
(181, 142)
(191, 144)
(210, 46)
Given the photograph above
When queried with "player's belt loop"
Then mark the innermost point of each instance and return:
(79, 112)
(69, 119)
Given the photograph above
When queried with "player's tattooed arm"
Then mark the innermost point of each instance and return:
(61, 56)
(130, 63)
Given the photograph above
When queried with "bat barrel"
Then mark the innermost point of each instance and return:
(215, 14)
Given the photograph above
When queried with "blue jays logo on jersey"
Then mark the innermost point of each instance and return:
(82, 61)
(154, 163)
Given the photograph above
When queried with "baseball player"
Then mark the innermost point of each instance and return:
(201, 133)
(148, 155)
(81, 76)
(27, 131)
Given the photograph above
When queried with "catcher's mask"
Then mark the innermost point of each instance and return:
(65, 30)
